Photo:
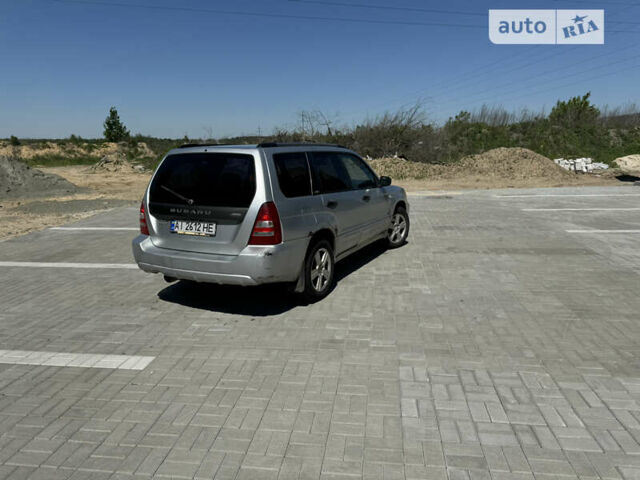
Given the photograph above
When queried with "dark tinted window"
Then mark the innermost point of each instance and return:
(209, 179)
(329, 173)
(360, 174)
(293, 174)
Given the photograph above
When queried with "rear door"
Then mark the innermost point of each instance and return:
(206, 187)
(297, 205)
(341, 204)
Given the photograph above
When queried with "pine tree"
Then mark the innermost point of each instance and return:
(114, 129)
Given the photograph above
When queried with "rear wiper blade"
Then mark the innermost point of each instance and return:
(181, 197)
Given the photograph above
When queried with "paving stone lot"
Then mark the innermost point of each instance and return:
(495, 345)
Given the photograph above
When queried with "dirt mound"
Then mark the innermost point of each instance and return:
(143, 150)
(115, 163)
(512, 163)
(19, 180)
(630, 163)
(499, 163)
(74, 150)
(70, 150)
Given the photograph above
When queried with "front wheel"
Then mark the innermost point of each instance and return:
(399, 228)
(319, 271)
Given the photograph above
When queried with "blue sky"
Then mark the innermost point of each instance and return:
(172, 72)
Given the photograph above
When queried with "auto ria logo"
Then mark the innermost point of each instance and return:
(561, 27)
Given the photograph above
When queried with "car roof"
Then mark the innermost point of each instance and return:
(260, 145)
(214, 145)
(249, 149)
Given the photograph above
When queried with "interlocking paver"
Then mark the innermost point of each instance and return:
(493, 345)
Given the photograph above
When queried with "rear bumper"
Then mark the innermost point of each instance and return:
(253, 266)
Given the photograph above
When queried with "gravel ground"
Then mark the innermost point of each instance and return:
(95, 192)
(18, 180)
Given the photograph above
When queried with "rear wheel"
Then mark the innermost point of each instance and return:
(399, 228)
(319, 271)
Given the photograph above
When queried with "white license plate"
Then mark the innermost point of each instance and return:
(203, 229)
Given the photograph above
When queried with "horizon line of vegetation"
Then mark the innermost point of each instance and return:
(573, 128)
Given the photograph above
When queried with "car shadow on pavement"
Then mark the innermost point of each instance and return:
(260, 301)
(359, 259)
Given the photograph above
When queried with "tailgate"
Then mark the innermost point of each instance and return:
(203, 187)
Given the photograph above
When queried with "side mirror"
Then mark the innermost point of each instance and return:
(385, 181)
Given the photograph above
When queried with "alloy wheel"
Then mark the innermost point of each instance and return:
(398, 229)
(321, 269)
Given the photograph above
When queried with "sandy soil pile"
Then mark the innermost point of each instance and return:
(72, 150)
(513, 163)
(143, 150)
(507, 163)
(630, 163)
(19, 180)
(498, 168)
(107, 184)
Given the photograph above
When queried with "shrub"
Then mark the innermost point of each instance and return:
(75, 139)
(13, 141)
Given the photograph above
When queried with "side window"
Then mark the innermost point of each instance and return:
(329, 173)
(293, 174)
(360, 175)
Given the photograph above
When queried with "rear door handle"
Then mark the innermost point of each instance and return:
(366, 198)
(332, 204)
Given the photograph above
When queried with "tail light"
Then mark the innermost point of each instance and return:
(144, 229)
(266, 229)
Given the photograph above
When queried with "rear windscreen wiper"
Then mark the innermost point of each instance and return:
(181, 197)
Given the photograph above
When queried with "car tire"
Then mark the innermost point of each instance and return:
(319, 271)
(399, 228)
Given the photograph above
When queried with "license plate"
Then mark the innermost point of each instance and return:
(202, 229)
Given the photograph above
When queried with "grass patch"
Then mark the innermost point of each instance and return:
(57, 160)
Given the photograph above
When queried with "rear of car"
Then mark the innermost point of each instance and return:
(208, 215)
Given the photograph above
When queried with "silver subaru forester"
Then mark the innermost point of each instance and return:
(255, 214)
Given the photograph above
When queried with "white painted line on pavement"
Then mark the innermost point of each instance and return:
(68, 265)
(570, 195)
(94, 228)
(82, 360)
(603, 231)
(579, 209)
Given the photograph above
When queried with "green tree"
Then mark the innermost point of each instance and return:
(575, 112)
(14, 141)
(114, 129)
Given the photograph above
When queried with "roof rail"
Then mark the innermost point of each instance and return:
(265, 145)
(297, 144)
(188, 145)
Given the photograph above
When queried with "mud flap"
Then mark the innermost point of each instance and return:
(300, 284)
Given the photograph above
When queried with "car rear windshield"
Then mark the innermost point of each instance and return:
(205, 179)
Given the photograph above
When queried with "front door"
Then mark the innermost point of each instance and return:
(364, 185)
(341, 203)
